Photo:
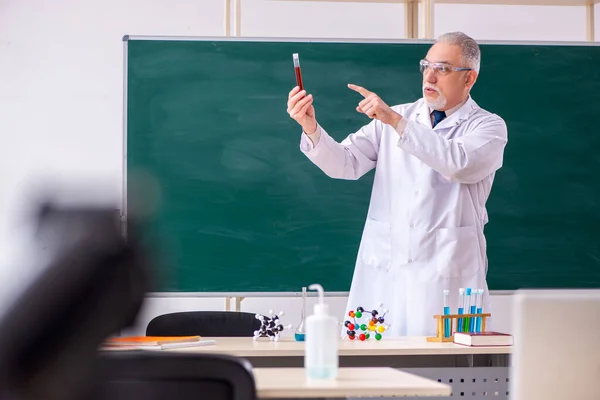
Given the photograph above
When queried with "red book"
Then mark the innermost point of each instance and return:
(483, 339)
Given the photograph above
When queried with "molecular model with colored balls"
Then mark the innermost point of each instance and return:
(269, 326)
(373, 328)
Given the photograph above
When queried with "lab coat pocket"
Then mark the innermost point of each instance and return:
(375, 245)
(457, 252)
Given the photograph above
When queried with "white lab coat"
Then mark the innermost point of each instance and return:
(424, 228)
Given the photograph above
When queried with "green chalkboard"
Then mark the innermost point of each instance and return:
(242, 209)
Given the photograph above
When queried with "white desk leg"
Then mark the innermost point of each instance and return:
(428, 8)
(590, 28)
(411, 19)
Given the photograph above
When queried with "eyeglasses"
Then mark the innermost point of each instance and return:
(440, 68)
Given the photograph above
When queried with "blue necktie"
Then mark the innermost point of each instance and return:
(438, 116)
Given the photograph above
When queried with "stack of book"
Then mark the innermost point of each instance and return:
(153, 342)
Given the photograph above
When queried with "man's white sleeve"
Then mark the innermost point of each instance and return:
(466, 159)
(352, 158)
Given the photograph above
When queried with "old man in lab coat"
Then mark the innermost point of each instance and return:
(434, 161)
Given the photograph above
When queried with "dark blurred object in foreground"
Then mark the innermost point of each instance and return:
(91, 286)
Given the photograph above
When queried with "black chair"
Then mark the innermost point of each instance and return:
(152, 375)
(204, 323)
(87, 285)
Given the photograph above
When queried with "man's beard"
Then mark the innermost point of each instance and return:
(437, 103)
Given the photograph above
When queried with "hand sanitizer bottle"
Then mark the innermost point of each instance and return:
(321, 342)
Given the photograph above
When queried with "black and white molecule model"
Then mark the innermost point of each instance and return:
(270, 326)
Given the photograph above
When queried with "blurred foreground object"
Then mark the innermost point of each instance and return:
(90, 285)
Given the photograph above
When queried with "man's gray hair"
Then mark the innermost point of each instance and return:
(470, 49)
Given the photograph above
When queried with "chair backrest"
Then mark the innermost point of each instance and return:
(152, 375)
(204, 323)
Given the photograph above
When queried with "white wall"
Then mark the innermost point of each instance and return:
(61, 83)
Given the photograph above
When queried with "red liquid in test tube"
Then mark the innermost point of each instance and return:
(297, 71)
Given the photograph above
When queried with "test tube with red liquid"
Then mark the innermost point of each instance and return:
(297, 71)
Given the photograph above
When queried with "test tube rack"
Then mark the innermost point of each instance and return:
(453, 325)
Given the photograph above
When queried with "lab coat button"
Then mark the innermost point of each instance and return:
(409, 261)
(411, 225)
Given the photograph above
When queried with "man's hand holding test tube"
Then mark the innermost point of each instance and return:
(300, 104)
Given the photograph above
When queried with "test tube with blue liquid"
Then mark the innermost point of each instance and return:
(461, 308)
(446, 312)
(472, 310)
(479, 309)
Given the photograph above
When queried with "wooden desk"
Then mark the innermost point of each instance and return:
(351, 382)
(401, 352)
(467, 369)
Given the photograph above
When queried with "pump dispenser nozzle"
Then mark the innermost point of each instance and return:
(320, 308)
